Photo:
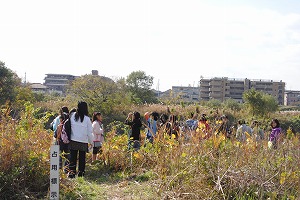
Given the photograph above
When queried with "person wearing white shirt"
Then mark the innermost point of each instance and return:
(81, 135)
(98, 134)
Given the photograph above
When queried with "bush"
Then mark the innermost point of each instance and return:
(24, 147)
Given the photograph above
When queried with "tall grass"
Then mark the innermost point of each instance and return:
(194, 168)
(24, 159)
(215, 168)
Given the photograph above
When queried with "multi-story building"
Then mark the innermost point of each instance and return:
(186, 93)
(291, 98)
(38, 88)
(225, 88)
(58, 82)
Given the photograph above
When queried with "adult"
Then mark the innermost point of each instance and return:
(81, 135)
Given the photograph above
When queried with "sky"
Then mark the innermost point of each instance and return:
(175, 41)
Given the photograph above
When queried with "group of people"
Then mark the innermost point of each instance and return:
(170, 125)
(84, 131)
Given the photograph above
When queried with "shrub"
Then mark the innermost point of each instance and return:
(24, 147)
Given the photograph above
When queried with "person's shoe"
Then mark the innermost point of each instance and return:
(71, 175)
(80, 174)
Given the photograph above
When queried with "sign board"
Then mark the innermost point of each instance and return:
(54, 172)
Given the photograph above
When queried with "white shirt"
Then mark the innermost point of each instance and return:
(81, 131)
(97, 131)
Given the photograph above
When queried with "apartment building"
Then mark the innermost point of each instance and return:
(291, 98)
(224, 88)
(38, 88)
(58, 82)
(186, 93)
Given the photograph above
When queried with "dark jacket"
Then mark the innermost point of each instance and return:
(135, 128)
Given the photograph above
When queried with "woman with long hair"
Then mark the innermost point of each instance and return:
(275, 133)
(81, 135)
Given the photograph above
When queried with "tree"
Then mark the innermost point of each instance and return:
(101, 93)
(271, 105)
(259, 103)
(139, 85)
(232, 105)
(8, 82)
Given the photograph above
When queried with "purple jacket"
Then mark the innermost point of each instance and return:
(274, 134)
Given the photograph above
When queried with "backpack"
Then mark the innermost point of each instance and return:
(66, 131)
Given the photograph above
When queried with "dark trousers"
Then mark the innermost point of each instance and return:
(65, 153)
(73, 163)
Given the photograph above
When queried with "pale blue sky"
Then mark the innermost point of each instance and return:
(174, 41)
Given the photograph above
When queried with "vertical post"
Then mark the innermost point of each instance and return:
(54, 172)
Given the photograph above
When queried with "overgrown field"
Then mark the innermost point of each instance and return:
(188, 168)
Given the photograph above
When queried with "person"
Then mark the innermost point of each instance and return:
(56, 120)
(135, 123)
(152, 126)
(81, 135)
(242, 130)
(172, 127)
(192, 123)
(257, 132)
(98, 134)
(163, 119)
(225, 126)
(64, 148)
(275, 133)
(204, 127)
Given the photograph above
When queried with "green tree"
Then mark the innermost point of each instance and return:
(214, 103)
(271, 105)
(101, 93)
(8, 82)
(232, 105)
(139, 85)
(260, 103)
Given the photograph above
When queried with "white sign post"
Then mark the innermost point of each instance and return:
(54, 172)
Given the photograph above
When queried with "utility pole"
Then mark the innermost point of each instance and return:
(158, 88)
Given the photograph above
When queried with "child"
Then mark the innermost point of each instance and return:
(275, 133)
(98, 134)
(64, 149)
(134, 121)
(152, 125)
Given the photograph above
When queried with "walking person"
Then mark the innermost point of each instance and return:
(81, 135)
(98, 134)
